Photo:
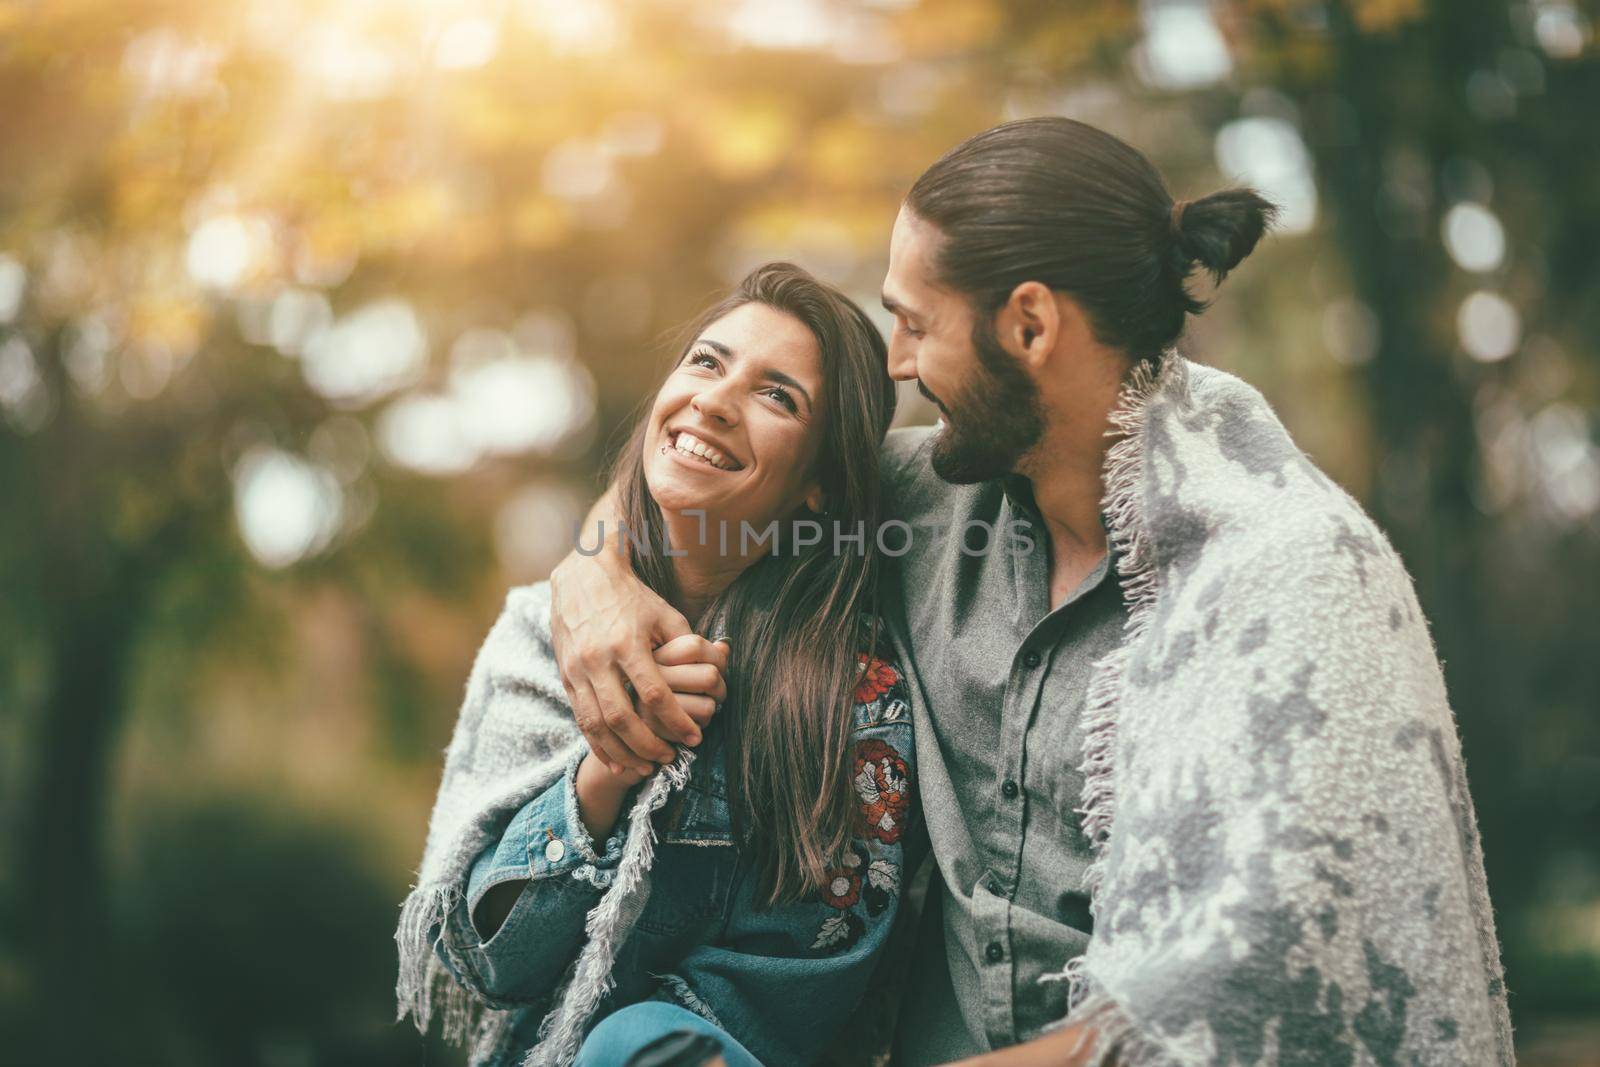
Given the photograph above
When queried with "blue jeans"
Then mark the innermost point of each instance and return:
(626, 1031)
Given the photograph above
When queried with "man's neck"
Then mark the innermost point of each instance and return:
(1067, 472)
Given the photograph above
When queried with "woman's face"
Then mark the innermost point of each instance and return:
(745, 398)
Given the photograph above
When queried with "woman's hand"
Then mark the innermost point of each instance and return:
(601, 792)
(694, 668)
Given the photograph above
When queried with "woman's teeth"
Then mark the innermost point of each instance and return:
(691, 445)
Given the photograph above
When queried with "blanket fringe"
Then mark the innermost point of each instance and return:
(425, 985)
(426, 989)
(608, 925)
(1124, 512)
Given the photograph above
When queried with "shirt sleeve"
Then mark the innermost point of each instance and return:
(547, 848)
(902, 471)
(784, 979)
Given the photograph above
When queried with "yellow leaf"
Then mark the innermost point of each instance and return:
(1383, 16)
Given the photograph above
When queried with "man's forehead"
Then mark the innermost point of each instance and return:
(911, 240)
(910, 283)
(907, 252)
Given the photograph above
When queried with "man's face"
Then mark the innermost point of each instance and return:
(992, 414)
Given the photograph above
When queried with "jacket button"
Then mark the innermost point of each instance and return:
(554, 851)
(1009, 790)
(995, 952)
(1032, 659)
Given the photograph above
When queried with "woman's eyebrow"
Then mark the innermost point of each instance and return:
(770, 373)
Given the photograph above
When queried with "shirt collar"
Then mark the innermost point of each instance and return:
(1019, 494)
(1019, 498)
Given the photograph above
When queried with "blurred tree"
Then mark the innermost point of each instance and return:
(294, 296)
(188, 187)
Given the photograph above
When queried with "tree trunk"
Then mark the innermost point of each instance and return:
(65, 920)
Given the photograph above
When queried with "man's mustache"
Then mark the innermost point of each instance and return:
(923, 389)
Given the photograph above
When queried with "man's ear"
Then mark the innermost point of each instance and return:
(1029, 324)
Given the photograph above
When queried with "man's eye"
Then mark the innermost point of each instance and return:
(907, 330)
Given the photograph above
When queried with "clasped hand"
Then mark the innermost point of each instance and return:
(611, 632)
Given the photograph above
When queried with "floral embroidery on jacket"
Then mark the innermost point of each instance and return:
(876, 680)
(862, 877)
(884, 786)
(839, 932)
(843, 887)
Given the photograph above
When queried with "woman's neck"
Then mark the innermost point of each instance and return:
(699, 563)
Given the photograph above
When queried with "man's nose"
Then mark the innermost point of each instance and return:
(902, 361)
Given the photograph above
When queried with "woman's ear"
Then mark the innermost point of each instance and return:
(815, 500)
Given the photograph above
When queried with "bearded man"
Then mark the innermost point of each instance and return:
(1193, 791)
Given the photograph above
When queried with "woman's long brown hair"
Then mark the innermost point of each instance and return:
(795, 621)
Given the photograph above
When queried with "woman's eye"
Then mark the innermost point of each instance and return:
(783, 397)
(702, 359)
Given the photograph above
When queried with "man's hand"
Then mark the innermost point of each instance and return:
(1063, 1048)
(605, 625)
(690, 664)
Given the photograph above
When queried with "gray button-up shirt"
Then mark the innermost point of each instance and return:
(999, 682)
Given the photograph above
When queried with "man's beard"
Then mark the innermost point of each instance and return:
(994, 421)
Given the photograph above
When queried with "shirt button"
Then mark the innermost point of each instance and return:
(1009, 789)
(554, 851)
(996, 952)
(1032, 659)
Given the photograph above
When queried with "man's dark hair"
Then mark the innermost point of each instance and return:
(1059, 202)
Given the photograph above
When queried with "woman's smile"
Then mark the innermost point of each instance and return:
(694, 451)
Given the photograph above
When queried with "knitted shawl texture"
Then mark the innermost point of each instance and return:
(512, 741)
(1287, 863)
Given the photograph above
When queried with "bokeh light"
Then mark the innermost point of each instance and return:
(1268, 153)
(287, 508)
(13, 280)
(374, 350)
(1474, 237)
(1182, 47)
(1488, 326)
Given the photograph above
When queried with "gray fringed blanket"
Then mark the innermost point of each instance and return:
(1288, 868)
(511, 742)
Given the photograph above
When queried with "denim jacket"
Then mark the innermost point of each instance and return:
(782, 980)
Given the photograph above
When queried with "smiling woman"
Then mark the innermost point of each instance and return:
(773, 850)
(773, 410)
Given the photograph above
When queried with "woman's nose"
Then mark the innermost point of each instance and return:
(716, 403)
